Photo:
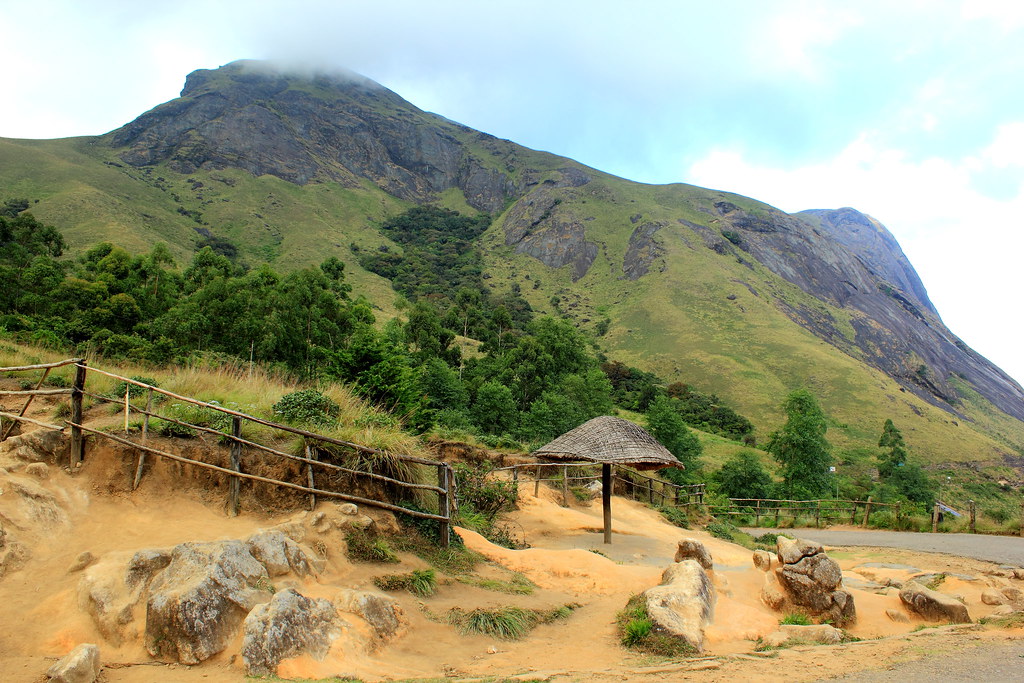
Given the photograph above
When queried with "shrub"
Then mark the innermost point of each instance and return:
(134, 390)
(795, 619)
(675, 516)
(365, 547)
(420, 582)
(506, 623)
(722, 530)
(307, 406)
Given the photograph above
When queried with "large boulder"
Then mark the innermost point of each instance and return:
(289, 625)
(689, 549)
(81, 665)
(36, 446)
(684, 603)
(813, 580)
(932, 605)
(198, 602)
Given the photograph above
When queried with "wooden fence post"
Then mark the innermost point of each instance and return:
(974, 518)
(935, 518)
(867, 512)
(77, 443)
(536, 484)
(235, 485)
(757, 514)
(444, 504)
(817, 515)
(310, 455)
(678, 489)
(853, 514)
(145, 433)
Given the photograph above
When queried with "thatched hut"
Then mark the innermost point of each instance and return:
(609, 441)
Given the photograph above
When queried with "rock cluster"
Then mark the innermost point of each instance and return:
(807, 578)
(189, 602)
(81, 665)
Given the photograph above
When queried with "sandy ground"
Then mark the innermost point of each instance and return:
(40, 619)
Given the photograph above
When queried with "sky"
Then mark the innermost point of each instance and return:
(910, 111)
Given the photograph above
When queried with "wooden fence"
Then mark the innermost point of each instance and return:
(314, 450)
(632, 483)
(848, 511)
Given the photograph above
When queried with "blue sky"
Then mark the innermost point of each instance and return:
(910, 111)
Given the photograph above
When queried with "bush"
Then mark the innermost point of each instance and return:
(482, 493)
(675, 516)
(722, 530)
(795, 619)
(307, 406)
(420, 582)
(365, 547)
(134, 390)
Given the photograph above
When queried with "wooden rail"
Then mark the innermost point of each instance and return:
(848, 511)
(312, 458)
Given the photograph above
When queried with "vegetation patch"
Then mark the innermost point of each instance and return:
(637, 632)
(365, 547)
(420, 582)
(506, 623)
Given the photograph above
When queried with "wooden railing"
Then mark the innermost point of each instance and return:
(849, 511)
(314, 449)
(633, 483)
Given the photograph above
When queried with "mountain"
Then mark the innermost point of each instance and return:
(701, 286)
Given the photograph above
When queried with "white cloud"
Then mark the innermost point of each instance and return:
(955, 236)
(1007, 149)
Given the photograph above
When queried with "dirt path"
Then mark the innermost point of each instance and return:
(999, 549)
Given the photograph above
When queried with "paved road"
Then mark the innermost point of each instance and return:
(990, 663)
(999, 549)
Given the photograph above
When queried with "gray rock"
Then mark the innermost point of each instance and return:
(39, 470)
(792, 550)
(898, 616)
(280, 554)
(990, 596)
(381, 612)
(1018, 573)
(84, 559)
(144, 565)
(81, 665)
(763, 560)
(103, 595)
(932, 605)
(772, 594)
(1013, 594)
(36, 446)
(684, 603)
(289, 625)
(689, 549)
(198, 602)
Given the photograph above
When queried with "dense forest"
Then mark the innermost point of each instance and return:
(529, 379)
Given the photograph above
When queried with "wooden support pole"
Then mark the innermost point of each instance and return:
(606, 500)
(757, 514)
(565, 485)
(536, 483)
(127, 406)
(235, 485)
(935, 518)
(24, 408)
(77, 442)
(817, 515)
(678, 489)
(444, 504)
(867, 512)
(974, 517)
(145, 433)
(310, 455)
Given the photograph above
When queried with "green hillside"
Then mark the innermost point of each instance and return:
(685, 280)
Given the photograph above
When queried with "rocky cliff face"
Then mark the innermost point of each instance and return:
(339, 127)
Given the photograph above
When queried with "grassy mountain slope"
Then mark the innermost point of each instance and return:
(705, 287)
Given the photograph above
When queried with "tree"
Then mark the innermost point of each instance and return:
(665, 425)
(800, 447)
(494, 410)
(896, 456)
(743, 476)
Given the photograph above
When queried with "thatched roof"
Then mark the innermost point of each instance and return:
(610, 440)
